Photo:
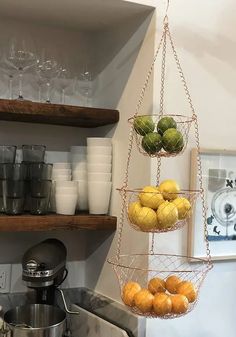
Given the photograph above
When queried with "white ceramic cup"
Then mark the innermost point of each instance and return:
(79, 166)
(66, 203)
(99, 159)
(99, 176)
(99, 168)
(59, 171)
(66, 190)
(66, 184)
(99, 197)
(82, 204)
(79, 175)
(98, 141)
(99, 150)
(61, 166)
(62, 177)
(78, 149)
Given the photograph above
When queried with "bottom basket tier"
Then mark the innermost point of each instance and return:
(168, 288)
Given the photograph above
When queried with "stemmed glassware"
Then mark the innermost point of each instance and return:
(86, 86)
(20, 58)
(48, 70)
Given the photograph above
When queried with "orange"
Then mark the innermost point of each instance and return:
(187, 289)
(179, 304)
(162, 304)
(143, 300)
(156, 285)
(171, 284)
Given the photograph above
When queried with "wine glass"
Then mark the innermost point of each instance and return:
(86, 86)
(20, 58)
(65, 83)
(48, 70)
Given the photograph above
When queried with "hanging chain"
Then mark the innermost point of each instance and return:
(199, 164)
(130, 146)
(152, 244)
(163, 67)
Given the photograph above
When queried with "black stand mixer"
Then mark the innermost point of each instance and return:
(44, 269)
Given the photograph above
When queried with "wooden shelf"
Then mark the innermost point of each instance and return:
(47, 113)
(31, 223)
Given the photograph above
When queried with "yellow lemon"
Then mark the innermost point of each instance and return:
(167, 215)
(146, 219)
(151, 197)
(169, 189)
(183, 206)
(133, 210)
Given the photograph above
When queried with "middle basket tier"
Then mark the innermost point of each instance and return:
(150, 210)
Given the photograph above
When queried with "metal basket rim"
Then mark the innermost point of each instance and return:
(139, 189)
(116, 262)
(189, 119)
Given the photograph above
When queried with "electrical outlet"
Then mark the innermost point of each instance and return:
(5, 278)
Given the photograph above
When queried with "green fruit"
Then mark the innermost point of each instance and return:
(143, 125)
(172, 141)
(166, 123)
(152, 143)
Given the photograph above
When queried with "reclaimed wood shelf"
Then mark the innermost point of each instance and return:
(58, 114)
(52, 222)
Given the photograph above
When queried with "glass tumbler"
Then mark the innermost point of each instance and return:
(40, 191)
(7, 153)
(33, 153)
(40, 171)
(13, 196)
(14, 171)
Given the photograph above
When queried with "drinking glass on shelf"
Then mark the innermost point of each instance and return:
(65, 83)
(33, 153)
(10, 72)
(20, 57)
(48, 70)
(13, 196)
(86, 86)
(40, 191)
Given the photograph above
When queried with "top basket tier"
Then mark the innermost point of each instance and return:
(161, 135)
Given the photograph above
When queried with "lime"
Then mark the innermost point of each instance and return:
(151, 197)
(172, 140)
(146, 219)
(166, 123)
(167, 215)
(183, 206)
(143, 125)
(169, 189)
(152, 143)
(133, 210)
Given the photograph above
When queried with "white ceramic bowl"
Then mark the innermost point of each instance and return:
(99, 168)
(99, 159)
(99, 150)
(95, 141)
(79, 175)
(99, 197)
(61, 166)
(66, 203)
(99, 176)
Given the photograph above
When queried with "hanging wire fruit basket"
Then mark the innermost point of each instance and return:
(161, 135)
(160, 285)
(168, 288)
(150, 211)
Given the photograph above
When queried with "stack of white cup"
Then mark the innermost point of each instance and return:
(62, 194)
(79, 174)
(99, 163)
(66, 196)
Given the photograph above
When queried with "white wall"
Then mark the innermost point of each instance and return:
(204, 33)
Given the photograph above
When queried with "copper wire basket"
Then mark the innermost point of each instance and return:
(141, 221)
(132, 267)
(160, 148)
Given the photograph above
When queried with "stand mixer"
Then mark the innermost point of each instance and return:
(44, 269)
